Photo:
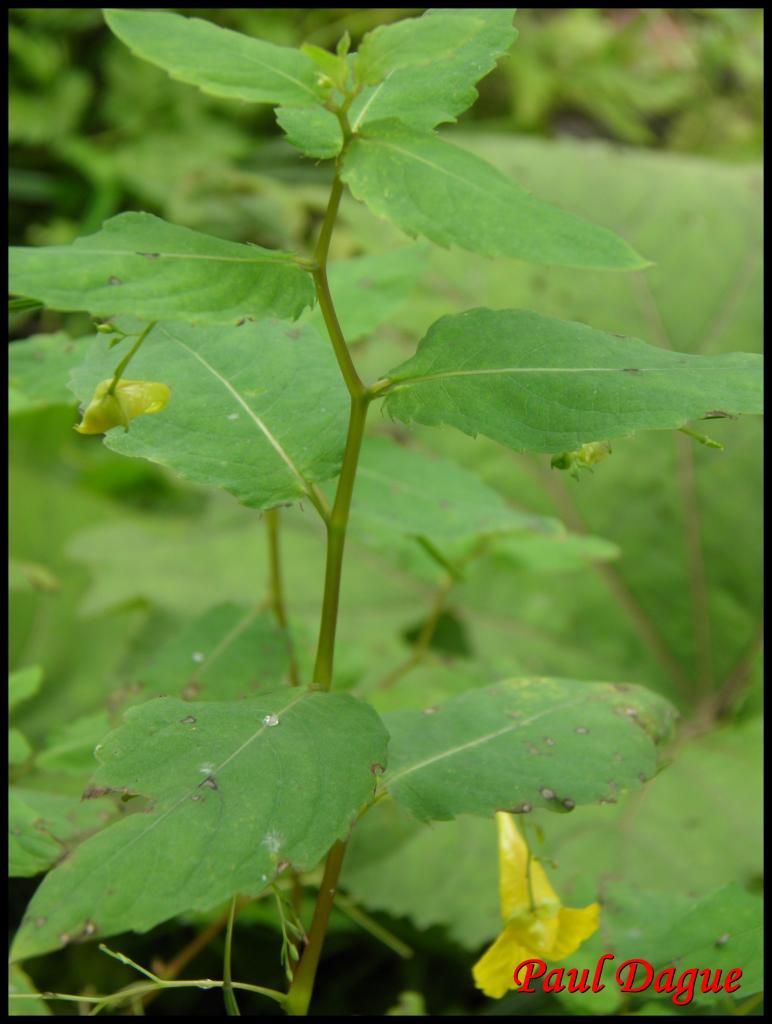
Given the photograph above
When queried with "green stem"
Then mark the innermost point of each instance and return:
(299, 996)
(336, 542)
(129, 356)
(277, 589)
(229, 997)
(370, 925)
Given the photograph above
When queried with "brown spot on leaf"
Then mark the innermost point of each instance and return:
(94, 792)
(114, 280)
(631, 369)
(209, 783)
(188, 720)
(377, 769)
(150, 255)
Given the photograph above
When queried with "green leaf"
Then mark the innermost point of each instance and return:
(23, 684)
(220, 62)
(719, 931)
(558, 551)
(423, 70)
(429, 187)
(69, 749)
(524, 744)
(543, 385)
(401, 491)
(443, 875)
(696, 300)
(224, 654)
(38, 368)
(369, 290)
(20, 983)
(138, 264)
(258, 410)
(44, 826)
(19, 749)
(236, 792)
(314, 130)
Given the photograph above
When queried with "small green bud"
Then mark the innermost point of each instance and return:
(583, 458)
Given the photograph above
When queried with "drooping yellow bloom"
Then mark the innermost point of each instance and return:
(131, 398)
(536, 926)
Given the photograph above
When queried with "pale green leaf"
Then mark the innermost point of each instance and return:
(257, 409)
(140, 265)
(444, 875)
(19, 749)
(228, 652)
(20, 983)
(524, 744)
(423, 70)
(556, 552)
(44, 826)
(313, 130)
(429, 187)
(401, 491)
(38, 368)
(369, 290)
(217, 60)
(236, 791)
(23, 684)
(543, 385)
(69, 749)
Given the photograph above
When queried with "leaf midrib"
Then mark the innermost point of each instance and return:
(513, 727)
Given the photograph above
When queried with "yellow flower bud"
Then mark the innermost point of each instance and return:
(131, 398)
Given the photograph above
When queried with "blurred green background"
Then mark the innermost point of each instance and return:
(646, 120)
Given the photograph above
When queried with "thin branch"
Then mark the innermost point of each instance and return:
(277, 589)
(687, 481)
(424, 639)
(641, 622)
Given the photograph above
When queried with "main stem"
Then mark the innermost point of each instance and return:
(299, 995)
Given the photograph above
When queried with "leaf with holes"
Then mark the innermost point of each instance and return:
(238, 415)
(234, 793)
(543, 385)
(140, 265)
(524, 744)
(429, 187)
(218, 61)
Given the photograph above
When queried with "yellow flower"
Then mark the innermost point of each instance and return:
(536, 926)
(131, 398)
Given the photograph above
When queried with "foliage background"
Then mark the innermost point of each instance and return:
(647, 121)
